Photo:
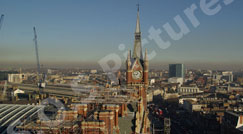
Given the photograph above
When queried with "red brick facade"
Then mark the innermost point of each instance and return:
(80, 108)
(93, 127)
(131, 68)
(108, 118)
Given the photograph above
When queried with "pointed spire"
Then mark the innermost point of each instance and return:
(137, 51)
(138, 21)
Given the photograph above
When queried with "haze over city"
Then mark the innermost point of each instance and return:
(80, 33)
(121, 67)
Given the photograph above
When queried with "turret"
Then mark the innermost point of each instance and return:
(129, 71)
(129, 63)
(146, 68)
(146, 60)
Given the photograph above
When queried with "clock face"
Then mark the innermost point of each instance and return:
(136, 75)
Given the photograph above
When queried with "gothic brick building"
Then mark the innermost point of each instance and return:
(137, 65)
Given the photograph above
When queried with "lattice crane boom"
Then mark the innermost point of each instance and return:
(1, 21)
(40, 79)
(37, 54)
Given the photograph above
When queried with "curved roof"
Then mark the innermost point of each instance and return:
(12, 115)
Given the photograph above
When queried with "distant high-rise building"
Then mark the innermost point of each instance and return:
(176, 70)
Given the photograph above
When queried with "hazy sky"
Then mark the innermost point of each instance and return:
(80, 31)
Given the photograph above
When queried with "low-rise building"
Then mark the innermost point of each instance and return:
(192, 106)
(188, 90)
(15, 78)
(179, 80)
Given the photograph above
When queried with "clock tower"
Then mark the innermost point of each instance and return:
(137, 65)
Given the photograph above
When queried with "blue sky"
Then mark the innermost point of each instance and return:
(81, 31)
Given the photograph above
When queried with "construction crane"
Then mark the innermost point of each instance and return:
(40, 77)
(1, 21)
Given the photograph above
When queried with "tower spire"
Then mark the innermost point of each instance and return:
(137, 52)
(138, 6)
(138, 20)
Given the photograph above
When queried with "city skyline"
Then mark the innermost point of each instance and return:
(121, 67)
(70, 32)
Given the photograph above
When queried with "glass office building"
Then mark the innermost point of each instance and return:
(176, 70)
